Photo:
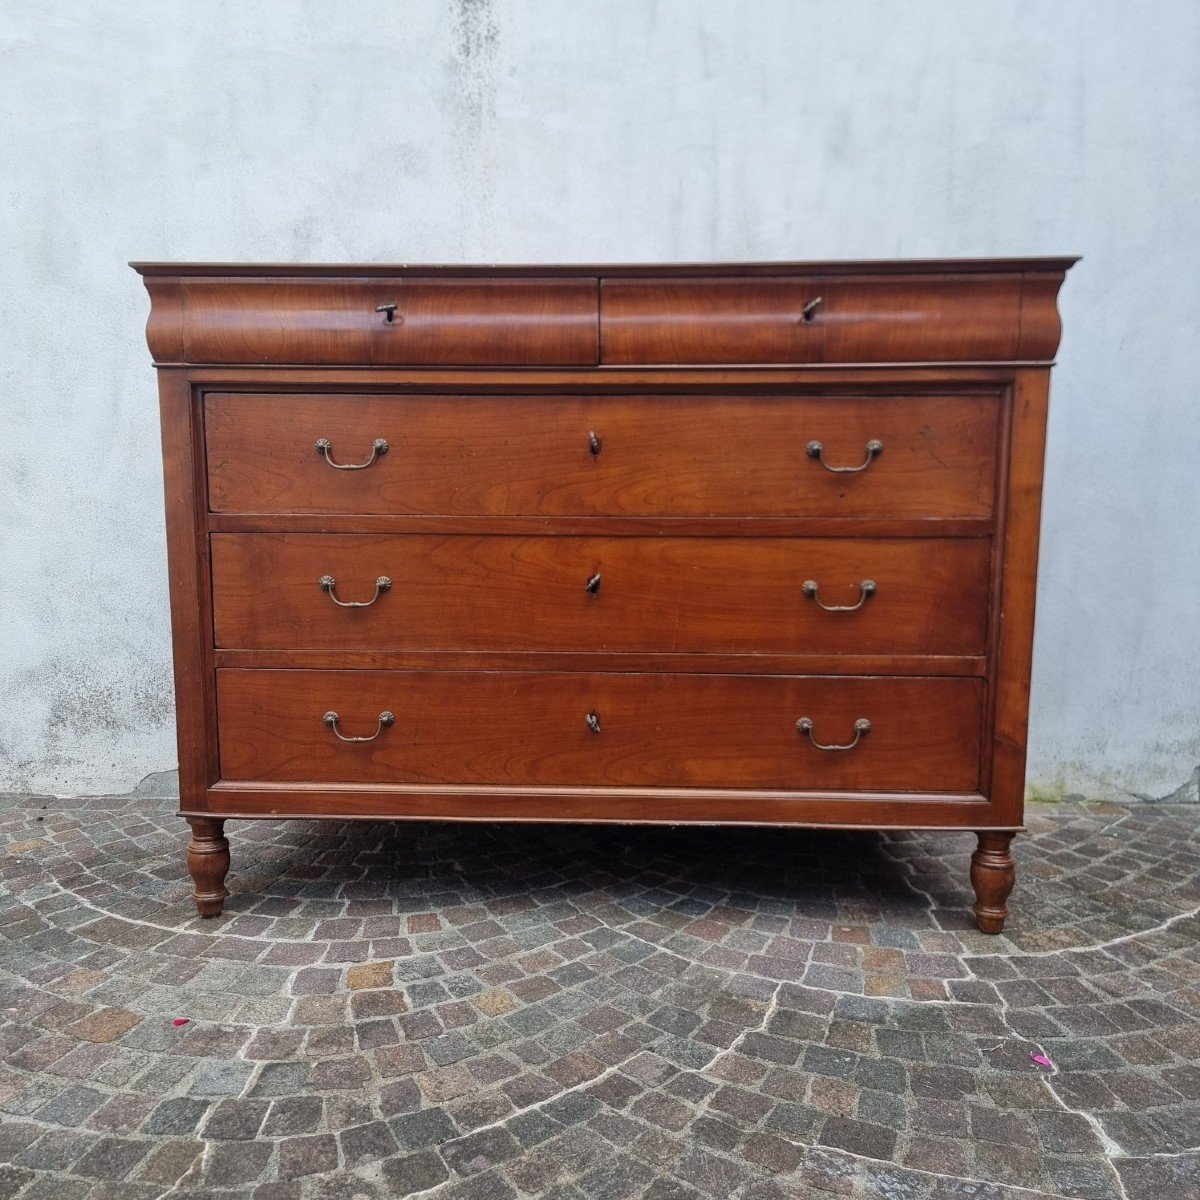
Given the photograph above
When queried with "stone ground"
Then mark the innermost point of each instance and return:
(589, 1013)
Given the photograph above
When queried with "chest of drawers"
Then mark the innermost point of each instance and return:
(743, 544)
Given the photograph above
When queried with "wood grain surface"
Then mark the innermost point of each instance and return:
(787, 320)
(690, 595)
(663, 455)
(435, 322)
(497, 727)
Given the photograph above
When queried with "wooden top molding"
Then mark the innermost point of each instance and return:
(885, 266)
(686, 315)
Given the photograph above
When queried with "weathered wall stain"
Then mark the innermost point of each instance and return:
(1188, 792)
(82, 711)
(475, 50)
(549, 131)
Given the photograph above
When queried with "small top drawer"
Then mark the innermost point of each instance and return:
(381, 322)
(809, 320)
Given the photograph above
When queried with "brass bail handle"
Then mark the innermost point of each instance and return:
(325, 448)
(861, 728)
(816, 450)
(327, 583)
(866, 590)
(385, 719)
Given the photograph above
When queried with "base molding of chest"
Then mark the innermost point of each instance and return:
(616, 806)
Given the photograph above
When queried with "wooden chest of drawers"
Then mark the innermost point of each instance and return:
(748, 544)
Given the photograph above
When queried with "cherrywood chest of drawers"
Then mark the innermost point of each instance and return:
(748, 544)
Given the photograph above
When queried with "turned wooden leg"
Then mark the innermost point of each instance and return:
(208, 862)
(993, 874)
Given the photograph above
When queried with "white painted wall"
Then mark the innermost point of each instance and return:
(607, 130)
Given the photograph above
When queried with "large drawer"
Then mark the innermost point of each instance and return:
(433, 322)
(588, 455)
(702, 595)
(600, 730)
(809, 320)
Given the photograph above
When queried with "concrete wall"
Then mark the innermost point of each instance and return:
(612, 129)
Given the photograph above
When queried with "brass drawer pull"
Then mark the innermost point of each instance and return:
(593, 722)
(861, 727)
(816, 450)
(388, 310)
(594, 444)
(385, 719)
(866, 589)
(327, 583)
(592, 587)
(378, 446)
(810, 309)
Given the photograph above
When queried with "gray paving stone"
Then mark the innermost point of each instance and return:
(366, 1143)
(479, 1151)
(415, 1131)
(281, 1079)
(411, 1173)
(179, 1116)
(12, 1180)
(235, 1119)
(214, 1078)
(71, 1106)
(112, 1158)
(230, 1164)
(55, 1150)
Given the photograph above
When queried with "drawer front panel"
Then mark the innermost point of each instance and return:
(529, 729)
(700, 595)
(447, 322)
(797, 320)
(604, 455)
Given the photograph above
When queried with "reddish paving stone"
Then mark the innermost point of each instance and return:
(373, 975)
(316, 1154)
(106, 1025)
(170, 1162)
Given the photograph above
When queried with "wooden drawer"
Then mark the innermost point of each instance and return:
(435, 322)
(653, 730)
(701, 595)
(692, 455)
(813, 320)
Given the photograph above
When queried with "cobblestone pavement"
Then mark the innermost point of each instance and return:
(483, 1012)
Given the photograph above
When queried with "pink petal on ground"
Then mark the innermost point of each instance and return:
(1041, 1060)
(180, 1021)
